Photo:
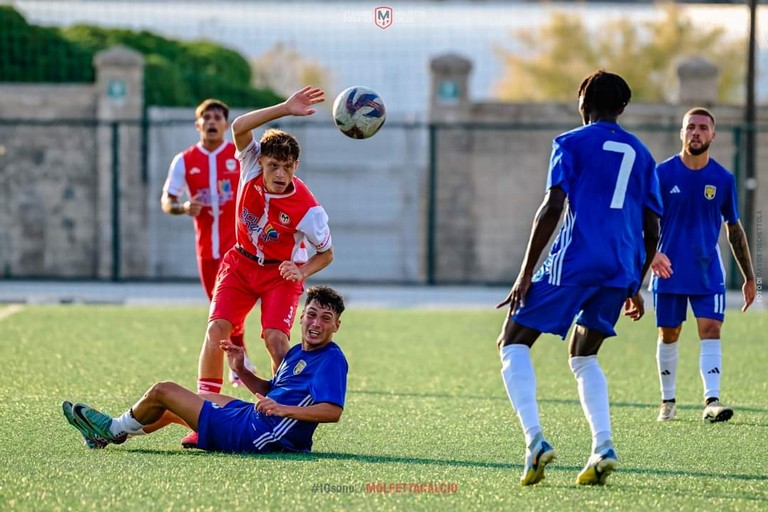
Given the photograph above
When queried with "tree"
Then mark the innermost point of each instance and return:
(177, 73)
(284, 70)
(557, 56)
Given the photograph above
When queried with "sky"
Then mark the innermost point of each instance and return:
(343, 38)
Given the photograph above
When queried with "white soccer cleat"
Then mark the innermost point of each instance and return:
(537, 456)
(600, 464)
(715, 411)
(667, 411)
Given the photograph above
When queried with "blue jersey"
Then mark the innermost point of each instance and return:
(302, 379)
(695, 205)
(609, 177)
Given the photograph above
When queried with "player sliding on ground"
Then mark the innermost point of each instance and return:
(308, 388)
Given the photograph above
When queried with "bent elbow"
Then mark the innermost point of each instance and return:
(237, 126)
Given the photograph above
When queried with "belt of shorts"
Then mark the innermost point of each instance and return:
(255, 258)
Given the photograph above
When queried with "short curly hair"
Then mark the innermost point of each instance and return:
(279, 145)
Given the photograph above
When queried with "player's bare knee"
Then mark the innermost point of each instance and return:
(277, 343)
(669, 335)
(709, 332)
(217, 330)
(159, 391)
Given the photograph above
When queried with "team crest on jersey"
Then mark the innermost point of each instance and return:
(710, 191)
(299, 367)
(284, 218)
(231, 165)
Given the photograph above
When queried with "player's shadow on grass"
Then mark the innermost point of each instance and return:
(558, 401)
(387, 459)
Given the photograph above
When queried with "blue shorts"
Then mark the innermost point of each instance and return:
(552, 309)
(672, 308)
(233, 428)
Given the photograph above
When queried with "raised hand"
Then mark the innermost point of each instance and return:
(300, 102)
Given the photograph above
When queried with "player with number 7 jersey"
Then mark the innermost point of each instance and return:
(609, 177)
(595, 267)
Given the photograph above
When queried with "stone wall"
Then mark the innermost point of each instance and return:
(59, 206)
(490, 181)
(47, 181)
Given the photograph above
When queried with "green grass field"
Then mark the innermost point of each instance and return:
(425, 404)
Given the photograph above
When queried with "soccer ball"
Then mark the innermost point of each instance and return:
(359, 112)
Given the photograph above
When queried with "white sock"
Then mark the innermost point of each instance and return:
(126, 424)
(666, 362)
(593, 394)
(710, 366)
(520, 383)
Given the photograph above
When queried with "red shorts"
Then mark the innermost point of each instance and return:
(208, 270)
(241, 282)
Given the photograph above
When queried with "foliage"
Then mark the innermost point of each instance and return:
(177, 73)
(557, 56)
(30, 53)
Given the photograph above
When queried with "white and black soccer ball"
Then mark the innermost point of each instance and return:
(359, 112)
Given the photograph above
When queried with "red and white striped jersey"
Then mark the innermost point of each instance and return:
(277, 226)
(211, 177)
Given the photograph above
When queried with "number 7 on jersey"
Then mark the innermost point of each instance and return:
(622, 180)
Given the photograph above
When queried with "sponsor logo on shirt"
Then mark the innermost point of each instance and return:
(269, 234)
(674, 190)
(710, 191)
(225, 191)
(194, 170)
(250, 220)
(299, 367)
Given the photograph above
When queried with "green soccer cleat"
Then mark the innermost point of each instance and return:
(89, 438)
(97, 423)
(601, 464)
(537, 456)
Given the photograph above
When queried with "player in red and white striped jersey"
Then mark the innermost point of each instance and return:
(277, 221)
(209, 173)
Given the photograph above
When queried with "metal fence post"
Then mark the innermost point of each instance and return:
(115, 201)
(432, 205)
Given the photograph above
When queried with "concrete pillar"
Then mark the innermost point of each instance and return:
(454, 229)
(697, 82)
(120, 102)
(450, 88)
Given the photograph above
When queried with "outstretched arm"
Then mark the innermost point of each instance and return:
(737, 239)
(544, 224)
(299, 104)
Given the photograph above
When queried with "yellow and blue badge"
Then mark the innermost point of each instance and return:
(299, 367)
(710, 191)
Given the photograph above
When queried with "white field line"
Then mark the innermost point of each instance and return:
(10, 310)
